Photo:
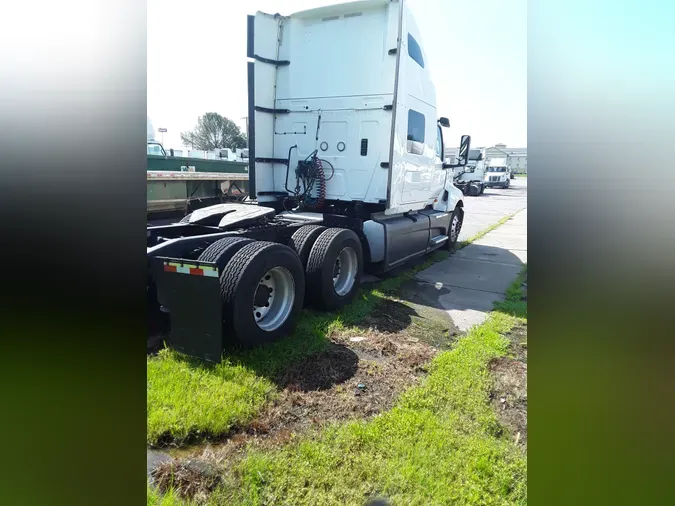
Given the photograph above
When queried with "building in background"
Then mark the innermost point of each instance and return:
(516, 158)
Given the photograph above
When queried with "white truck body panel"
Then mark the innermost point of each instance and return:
(336, 88)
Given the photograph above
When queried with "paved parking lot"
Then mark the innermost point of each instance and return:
(485, 210)
(468, 283)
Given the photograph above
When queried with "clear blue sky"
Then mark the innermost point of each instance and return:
(477, 53)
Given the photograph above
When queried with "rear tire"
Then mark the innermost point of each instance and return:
(303, 239)
(262, 291)
(334, 269)
(220, 252)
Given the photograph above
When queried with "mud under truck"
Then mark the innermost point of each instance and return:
(345, 172)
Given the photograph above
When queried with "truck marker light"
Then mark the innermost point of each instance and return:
(211, 272)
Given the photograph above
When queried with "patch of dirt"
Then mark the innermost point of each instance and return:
(360, 374)
(191, 479)
(509, 393)
(518, 346)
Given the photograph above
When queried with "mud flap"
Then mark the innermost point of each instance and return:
(190, 291)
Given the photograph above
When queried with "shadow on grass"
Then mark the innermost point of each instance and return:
(311, 335)
(307, 359)
(335, 365)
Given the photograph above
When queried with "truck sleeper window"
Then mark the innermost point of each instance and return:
(415, 51)
(415, 144)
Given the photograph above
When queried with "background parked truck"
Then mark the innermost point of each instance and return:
(470, 179)
(498, 173)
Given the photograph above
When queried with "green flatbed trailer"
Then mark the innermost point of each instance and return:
(177, 185)
(173, 194)
(183, 164)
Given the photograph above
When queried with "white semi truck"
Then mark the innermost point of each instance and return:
(498, 173)
(470, 179)
(346, 173)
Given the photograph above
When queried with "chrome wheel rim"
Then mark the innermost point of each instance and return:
(273, 299)
(454, 228)
(345, 269)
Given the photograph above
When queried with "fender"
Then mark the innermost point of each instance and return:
(454, 197)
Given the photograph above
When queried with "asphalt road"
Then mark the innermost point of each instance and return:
(494, 204)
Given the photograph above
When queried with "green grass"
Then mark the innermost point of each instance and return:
(440, 444)
(513, 303)
(170, 498)
(188, 399)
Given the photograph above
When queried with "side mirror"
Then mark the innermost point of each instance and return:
(444, 122)
(463, 156)
(464, 146)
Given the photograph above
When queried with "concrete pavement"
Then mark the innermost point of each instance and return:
(468, 283)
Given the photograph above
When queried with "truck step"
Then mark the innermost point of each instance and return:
(435, 241)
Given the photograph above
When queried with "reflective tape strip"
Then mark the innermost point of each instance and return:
(204, 270)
